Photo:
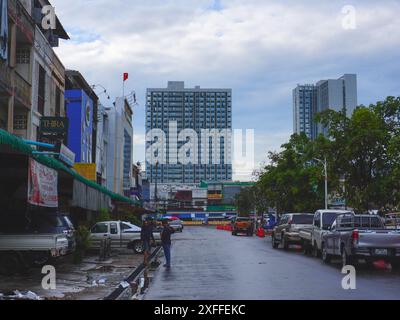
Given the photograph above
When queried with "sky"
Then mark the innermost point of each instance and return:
(261, 49)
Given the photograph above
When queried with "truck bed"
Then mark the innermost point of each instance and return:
(388, 239)
(33, 242)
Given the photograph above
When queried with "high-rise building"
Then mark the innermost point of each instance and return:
(208, 113)
(338, 95)
(119, 147)
(308, 100)
(304, 110)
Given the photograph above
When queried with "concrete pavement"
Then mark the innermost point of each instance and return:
(208, 264)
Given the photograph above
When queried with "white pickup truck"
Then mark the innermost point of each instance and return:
(21, 251)
(312, 236)
(122, 235)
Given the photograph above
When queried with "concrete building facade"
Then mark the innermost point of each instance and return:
(308, 100)
(120, 147)
(196, 109)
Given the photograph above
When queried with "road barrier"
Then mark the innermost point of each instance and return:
(133, 279)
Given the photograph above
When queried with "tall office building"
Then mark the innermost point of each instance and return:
(304, 110)
(197, 109)
(308, 100)
(337, 95)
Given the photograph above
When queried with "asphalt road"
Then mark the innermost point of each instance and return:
(208, 264)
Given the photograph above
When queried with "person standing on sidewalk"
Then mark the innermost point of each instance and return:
(147, 238)
(166, 242)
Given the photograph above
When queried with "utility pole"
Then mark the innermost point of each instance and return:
(326, 183)
(156, 187)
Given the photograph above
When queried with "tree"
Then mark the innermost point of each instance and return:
(365, 149)
(244, 202)
(292, 182)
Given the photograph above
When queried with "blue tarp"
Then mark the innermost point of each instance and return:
(4, 29)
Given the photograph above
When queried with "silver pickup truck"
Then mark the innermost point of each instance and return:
(311, 236)
(354, 237)
(20, 251)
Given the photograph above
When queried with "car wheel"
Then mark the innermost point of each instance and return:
(315, 251)
(285, 243)
(306, 248)
(325, 256)
(274, 244)
(138, 247)
(346, 259)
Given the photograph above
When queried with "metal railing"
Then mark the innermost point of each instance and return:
(23, 90)
(5, 77)
(22, 19)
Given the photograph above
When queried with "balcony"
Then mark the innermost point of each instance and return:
(23, 91)
(23, 21)
(5, 79)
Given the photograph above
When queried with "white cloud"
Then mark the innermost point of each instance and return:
(261, 49)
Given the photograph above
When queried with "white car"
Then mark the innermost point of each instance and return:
(122, 234)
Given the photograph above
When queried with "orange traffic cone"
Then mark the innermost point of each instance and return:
(261, 233)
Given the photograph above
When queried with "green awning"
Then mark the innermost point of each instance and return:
(19, 145)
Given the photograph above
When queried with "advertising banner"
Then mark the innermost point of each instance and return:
(42, 185)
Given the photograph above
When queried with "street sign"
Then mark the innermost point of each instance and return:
(67, 156)
(54, 125)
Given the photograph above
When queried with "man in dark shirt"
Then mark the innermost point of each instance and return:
(147, 237)
(166, 242)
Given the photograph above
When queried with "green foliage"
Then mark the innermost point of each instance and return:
(103, 216)
(82, 236)
(363, 149)
(244, 202)
(291, 182)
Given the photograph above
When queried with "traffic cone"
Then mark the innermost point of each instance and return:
(261, 233)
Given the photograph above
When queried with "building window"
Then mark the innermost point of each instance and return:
(58, 102)
(23, 56)
(41, 90)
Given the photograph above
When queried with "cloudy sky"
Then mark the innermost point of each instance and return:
(260, 48)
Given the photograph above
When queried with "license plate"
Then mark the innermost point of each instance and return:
(381, 252)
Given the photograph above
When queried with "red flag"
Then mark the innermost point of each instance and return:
(126, 76)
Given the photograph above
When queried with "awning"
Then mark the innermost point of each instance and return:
(17, 144)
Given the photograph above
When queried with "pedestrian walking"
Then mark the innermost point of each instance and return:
(166, 242)
(147, 238)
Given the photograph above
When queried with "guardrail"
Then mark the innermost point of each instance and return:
(118, 292)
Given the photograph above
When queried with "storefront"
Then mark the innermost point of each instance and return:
(30, 182)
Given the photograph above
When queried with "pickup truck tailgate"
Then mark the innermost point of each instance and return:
(32, 242)
(379, 239)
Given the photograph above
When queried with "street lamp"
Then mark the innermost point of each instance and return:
(325, 164)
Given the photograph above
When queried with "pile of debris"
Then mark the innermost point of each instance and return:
(18, 295)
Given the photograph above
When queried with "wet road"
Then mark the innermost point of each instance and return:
(214, 265)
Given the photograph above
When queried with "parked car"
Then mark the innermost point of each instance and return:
(243, 225)
(353, 237)
(287, 231)
(311, 236)
(177, 225)
(28, 241)
(122, 235)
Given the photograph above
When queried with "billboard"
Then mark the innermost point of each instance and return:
(87, 170)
